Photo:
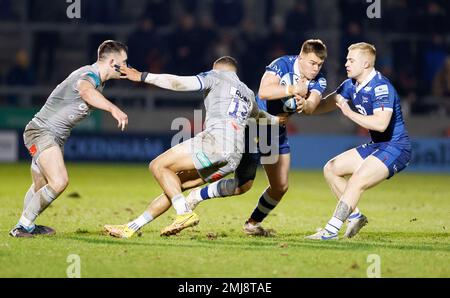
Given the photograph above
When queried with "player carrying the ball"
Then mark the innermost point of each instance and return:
(368, 99)
(309, 84)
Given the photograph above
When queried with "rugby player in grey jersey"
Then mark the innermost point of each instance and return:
(46, 134)
(210, 155)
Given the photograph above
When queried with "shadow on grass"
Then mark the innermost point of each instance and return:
(370, 240)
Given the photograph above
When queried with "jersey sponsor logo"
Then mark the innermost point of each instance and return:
(365, 99)
(381, 90)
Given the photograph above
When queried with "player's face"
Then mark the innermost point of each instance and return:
(310, 65)
(117, 59)
(355, 64)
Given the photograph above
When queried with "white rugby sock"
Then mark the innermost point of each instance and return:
(38, 203)
(141, 221)
(28, 196)
(180, 205)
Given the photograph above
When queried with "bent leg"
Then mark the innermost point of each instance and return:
(336, 169)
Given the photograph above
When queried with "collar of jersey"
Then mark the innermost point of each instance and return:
(98, 72)
(372, 74)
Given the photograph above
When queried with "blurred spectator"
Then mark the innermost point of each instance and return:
(228, 12)
(186, 45)
(352, 11)
(146, 48)
(208, 33)
(160, 12)
(434, 56)
(398, 18)
(20, 74)
(277, 41)
(441, 82)
(250, 44)
(433, 19)
(300, 18)
(103, 12)
(352, 34)
(44, 49)
(6, 12)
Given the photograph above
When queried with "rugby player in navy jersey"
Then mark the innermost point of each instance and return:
(368, 99)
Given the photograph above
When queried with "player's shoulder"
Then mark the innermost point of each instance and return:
(381, 85)
(347, 83)
(282, 64)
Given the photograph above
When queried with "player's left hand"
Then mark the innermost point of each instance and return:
(343, 105)
(130, 74)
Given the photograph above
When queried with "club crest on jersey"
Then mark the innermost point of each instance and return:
(367, 89)
(323, 83)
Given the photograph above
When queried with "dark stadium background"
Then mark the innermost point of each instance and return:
(40, 45)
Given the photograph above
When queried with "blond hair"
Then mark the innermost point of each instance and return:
(367, 49)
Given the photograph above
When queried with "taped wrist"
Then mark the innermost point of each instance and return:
(144, 76)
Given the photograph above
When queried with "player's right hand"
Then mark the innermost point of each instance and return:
(130, 74)
(300, 88)
(121, 117)
(300, 102)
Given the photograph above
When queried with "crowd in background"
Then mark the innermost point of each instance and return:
(185, 42)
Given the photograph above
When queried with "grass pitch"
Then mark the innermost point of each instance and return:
(409, 222)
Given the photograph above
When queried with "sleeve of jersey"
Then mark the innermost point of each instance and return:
(383, 98)
(277, 67)
(320, 85)
(344, 90)
(206, 79)
(91, 78)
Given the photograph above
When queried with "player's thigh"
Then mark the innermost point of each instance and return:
(371, 172)
(176, 159)
(278, 172)
(51, 164)
(345, 163)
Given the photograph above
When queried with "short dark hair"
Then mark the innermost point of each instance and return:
(315, 46)
(227, 60)
(110, 46)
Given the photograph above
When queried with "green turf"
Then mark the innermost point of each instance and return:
(409, 222)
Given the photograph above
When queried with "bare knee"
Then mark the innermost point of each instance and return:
(329, 170)
(277, 191)
(59, 184)
(154, 167)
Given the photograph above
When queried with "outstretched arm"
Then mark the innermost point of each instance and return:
(94, 98)
(328, 104)
(166, 81)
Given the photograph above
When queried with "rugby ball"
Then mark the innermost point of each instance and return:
(289, 103)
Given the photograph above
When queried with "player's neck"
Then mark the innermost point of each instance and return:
(362, 78)
(103, 70)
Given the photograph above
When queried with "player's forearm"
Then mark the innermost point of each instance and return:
(96, 99)
(311, 103)
(173, 82)
(370, 122)
(274, 92)
(269, 119)
(326, 105)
